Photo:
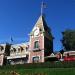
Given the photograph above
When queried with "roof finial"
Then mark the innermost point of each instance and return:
(43, 5)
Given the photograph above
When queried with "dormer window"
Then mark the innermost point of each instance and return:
(14, 49)
(19, 50)
(27, 48)
(36, 44)
(11, 51)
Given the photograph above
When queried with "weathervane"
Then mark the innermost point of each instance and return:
(43, 5)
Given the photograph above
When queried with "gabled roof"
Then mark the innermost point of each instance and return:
(51, 56)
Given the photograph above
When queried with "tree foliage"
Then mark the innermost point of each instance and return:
(68, 39)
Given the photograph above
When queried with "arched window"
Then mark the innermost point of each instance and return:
(36, 44)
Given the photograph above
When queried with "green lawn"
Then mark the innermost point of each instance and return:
(40, 71)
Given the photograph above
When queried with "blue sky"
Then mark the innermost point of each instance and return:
(17, 18)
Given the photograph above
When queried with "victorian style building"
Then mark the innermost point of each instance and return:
(40, 45)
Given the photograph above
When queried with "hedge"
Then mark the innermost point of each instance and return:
(67, 64)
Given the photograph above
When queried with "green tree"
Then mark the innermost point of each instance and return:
(68, 40)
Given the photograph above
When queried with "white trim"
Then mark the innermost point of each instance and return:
(14, 57)
(42, 56)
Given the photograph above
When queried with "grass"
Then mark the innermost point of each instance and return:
(39, 71)
(54, 68)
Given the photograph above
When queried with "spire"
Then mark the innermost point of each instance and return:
(43, 5)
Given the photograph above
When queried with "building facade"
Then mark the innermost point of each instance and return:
(18, 54)
(40, 45)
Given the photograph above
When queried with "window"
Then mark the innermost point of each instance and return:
(14, 49)
(35, 59)
(19, 50)
(11, 51)
(36, 44)
(26, 48)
